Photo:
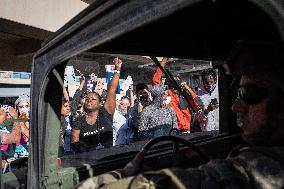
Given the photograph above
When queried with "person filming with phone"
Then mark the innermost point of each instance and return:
(208, 115)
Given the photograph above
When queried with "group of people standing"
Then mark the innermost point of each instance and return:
(14, 129)
(154, 110)
(203, 102)
(89, 120)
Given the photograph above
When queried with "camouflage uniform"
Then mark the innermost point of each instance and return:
(250, 167)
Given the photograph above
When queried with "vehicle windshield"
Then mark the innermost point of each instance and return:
(144, 105)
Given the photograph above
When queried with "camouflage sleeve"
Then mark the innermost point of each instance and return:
(247, 170)
(216, 174)
(251, 168)
(100, 181)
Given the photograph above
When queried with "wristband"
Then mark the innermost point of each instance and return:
(117, 71)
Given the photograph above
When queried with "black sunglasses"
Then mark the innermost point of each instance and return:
(252, 94)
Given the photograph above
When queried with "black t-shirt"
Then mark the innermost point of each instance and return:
(100, 132)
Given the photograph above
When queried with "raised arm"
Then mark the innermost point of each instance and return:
(158, 74)
(77, 95)
(82, 81)
(192, 96)
(65, 93)
(131, 96)
(110, 103)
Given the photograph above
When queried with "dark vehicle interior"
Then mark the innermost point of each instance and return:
(195, 30)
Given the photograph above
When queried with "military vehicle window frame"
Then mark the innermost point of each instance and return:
(95, 29)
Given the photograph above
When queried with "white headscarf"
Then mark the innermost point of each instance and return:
(23, 98)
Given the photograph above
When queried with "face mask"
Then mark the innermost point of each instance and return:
(168, 100)
(24, 110)
(210, 88)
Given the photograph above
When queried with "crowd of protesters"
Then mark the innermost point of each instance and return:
(96, 119)
(14, 129)
(153, 109)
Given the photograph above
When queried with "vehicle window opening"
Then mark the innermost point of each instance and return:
(87, 81)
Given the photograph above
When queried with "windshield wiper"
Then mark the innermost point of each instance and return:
(170, 77)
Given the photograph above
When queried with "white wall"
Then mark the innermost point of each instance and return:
(45, 14)
(13, 92)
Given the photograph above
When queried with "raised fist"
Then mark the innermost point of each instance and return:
(117, 62)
